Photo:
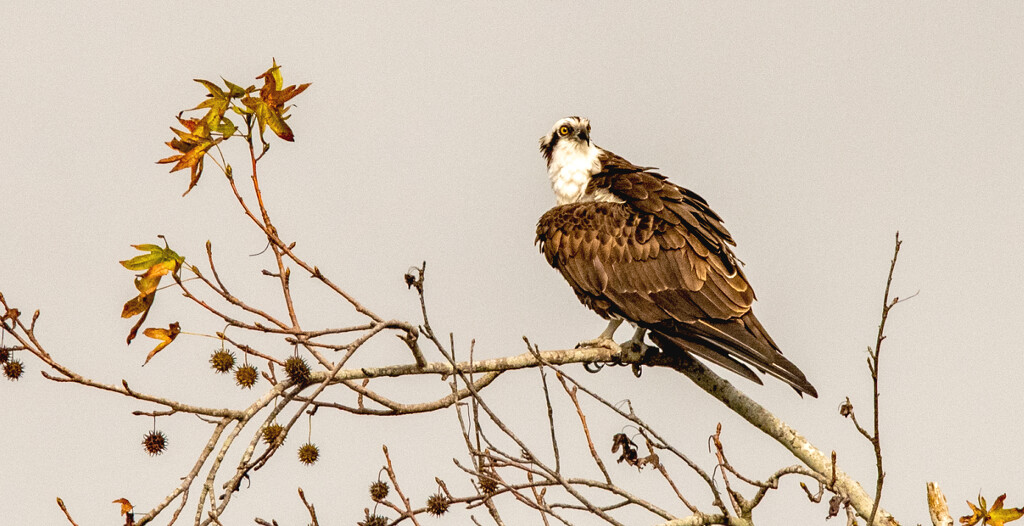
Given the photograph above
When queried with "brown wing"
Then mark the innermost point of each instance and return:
(662, 260)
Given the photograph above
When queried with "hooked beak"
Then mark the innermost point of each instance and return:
(585, 136)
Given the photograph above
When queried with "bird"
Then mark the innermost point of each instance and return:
(636, 247)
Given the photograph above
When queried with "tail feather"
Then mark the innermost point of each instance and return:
(672, 343)
(735, 345)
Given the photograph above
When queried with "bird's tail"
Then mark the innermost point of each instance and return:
(736, 345)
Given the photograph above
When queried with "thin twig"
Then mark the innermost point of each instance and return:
(394, 481)
(571, 391)
(312, 511)
(873, 367)
(63, 508)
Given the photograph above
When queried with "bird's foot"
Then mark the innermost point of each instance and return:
(635, 353)
(605, 343)
(600, 342)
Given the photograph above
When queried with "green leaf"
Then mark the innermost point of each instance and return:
(234, 90)
(215, 90)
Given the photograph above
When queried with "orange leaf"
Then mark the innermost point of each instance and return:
(976, 514)
(193, 144)
(137, 305)
(270, 107)
(166, 336)
(158, 262)
(125, 505)
(997, 515)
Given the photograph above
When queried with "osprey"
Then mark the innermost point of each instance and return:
(635, 247)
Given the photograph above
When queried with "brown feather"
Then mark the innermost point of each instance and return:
(661, 259)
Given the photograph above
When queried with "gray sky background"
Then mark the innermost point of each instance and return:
(815, 129)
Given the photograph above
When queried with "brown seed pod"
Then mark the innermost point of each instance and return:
(246, 376)
(487, 485)
(374, 520)
(5, 354)
(155, 442)
(297, 370)
(13, 368)
(222, 361)
(379, 490)
(309, 453)
(271, 432)
(437, 504)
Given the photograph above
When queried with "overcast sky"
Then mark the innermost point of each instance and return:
(816, 130)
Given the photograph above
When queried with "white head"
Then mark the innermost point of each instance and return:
(571, 158)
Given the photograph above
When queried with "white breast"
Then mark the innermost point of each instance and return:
(572, 164)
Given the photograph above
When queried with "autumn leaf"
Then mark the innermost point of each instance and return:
(195, 141)
(157, 262)
(137, 305)
(977, 513)
(192, 145)
(166, 336)
(217, 102)
(236, 91)
(269, 107)
(126, 507)
(997, 515)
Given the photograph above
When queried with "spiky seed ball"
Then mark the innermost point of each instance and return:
(5, 354)
(155, 442)
(309, 453)
(222, 360)
(379, 490)
(271, 432)
(488, 485)
(437, 504)
(374, 520)
(13, 369)
(246, 376)
(297, 369)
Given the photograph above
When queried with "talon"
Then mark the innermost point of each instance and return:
(635, 350)
(592, 367)
(606, 343)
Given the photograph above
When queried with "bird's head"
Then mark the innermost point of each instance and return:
(569, 135)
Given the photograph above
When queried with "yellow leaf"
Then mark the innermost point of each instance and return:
(125, 505)
(137, 305)
(270, 107)
(977, 513)
(997, 515)
(159, 262)
(194, 144)
(166, 336)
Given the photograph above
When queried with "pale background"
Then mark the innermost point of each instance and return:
(815, 129)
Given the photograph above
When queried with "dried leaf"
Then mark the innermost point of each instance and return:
(192, 146)
(629, 454)
(997, 515)
(977, 514)
(166, 336)
(833, 506)
(270, 107)
(218, 102)
(11, 314)
(159, 262)
(137, 305)
(126, 506)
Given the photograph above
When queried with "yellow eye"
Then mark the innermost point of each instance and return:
(563, 131)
